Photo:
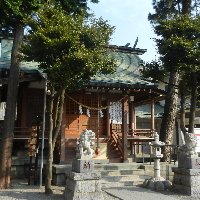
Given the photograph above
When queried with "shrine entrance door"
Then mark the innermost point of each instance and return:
(79, 118)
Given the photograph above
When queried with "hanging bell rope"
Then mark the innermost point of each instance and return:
(94, 108)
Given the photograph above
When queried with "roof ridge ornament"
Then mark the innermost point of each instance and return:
(136, 41)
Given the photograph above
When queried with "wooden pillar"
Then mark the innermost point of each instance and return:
(131, 125)
(131, 117)
(62, 136)
(124, 130)
(134, 127)
(107, 117)
(152, 115)
(134, 118)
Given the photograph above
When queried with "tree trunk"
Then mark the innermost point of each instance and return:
(182, 112)
(193, 102)
(186, 6)
(10, 113)
(59, 117)
(170, 111)
(53, 133)
(48, 189)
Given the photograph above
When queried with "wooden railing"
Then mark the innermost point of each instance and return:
(134, 136)
(141, 132)
(133, 132)
(24, 133)
(117, 141)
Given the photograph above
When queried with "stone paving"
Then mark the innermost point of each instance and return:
(139, 193)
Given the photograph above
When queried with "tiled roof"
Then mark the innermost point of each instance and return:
(5, 58)
(144, 111)
(127, 71)
(126, 75)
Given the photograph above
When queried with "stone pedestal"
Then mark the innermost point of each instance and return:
(84, 186)
(156, 168)
(82, 165)
(187, 176)
(82, 182)
(186, 181)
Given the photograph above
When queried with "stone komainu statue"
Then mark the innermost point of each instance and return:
(190, 143)
(83, 145)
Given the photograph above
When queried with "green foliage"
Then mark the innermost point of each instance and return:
(178, 47)
(12, 12)
(163, 10)
(68, 48)
(75, 6)
(153, 70)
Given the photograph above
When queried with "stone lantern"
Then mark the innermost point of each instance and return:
(157, 155)
(157, 182)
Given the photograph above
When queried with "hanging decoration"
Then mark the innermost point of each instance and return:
(80, 110)
(116, 113)
(101, 113)
(98, 108)
(88, 112)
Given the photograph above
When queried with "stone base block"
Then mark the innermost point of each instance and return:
(190, 191)
(190, 162)
(82, 166)
(83, 176)
(69, 195)
(59, 174)
(186, 181)
(84, 186)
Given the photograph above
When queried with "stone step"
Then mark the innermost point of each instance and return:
(117, 166)
(123, 178)
(120, 184)
(105, 173)
(121, 174)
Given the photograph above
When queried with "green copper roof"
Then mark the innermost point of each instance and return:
(126, 75)
(5, 58)
(127, 71)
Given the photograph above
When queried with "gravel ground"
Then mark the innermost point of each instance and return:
(20, 190)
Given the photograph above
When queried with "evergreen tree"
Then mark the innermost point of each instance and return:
(12, 14)
(71, 51)
(171, 54)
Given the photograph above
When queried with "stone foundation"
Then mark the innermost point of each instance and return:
(192, 162)
(84, 186)
(82, 182)
(186, 181)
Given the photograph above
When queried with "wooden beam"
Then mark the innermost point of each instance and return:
(131, 117)
(33, 77)
(107, 118)
(124, 129)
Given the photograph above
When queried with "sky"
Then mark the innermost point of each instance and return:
(130, 20)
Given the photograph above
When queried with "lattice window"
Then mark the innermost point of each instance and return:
(73, 108)
(91, 103)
